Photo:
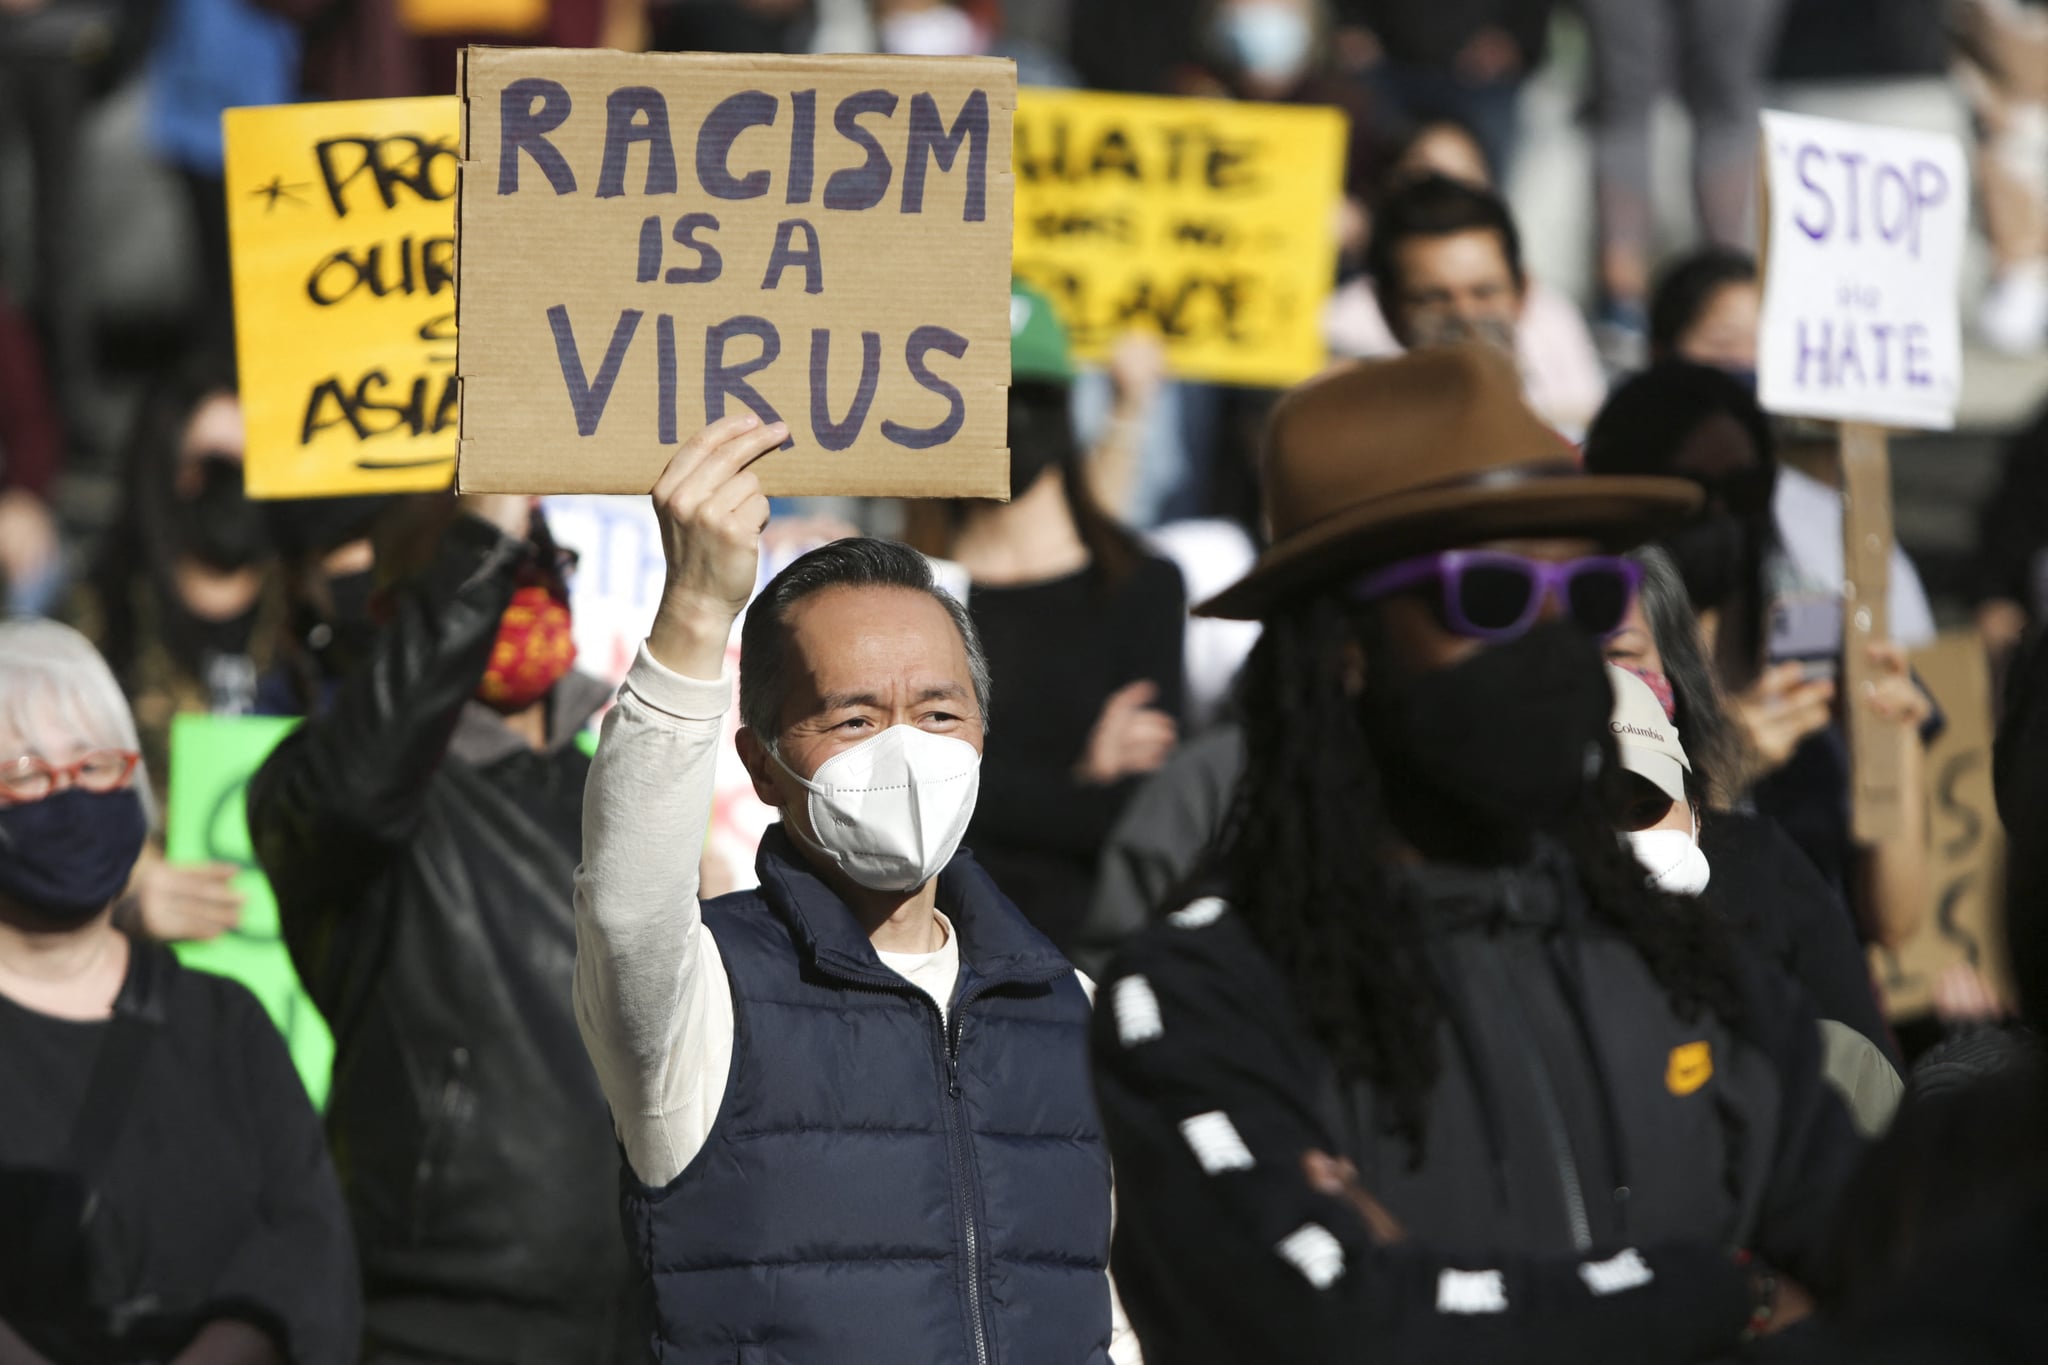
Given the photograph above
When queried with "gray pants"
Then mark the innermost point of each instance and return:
(1712, 54)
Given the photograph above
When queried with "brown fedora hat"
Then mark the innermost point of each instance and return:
(1379, 460)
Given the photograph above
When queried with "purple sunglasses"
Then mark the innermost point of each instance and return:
(1488, 595)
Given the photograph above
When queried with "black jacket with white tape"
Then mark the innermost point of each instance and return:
(1591, 1158)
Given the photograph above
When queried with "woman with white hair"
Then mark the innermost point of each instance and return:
(1747, 865)
(164, 1191)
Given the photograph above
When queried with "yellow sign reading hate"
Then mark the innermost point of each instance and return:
(1213, 223)
(341, 221)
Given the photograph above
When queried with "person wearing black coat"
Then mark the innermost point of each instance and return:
(1946, 1242)
(1076, 616)
(2010, 582)
(1767, 889)
(422, 835)
(1762, 882)
(164, 1192)
(1432, 1072)
(1788, 915)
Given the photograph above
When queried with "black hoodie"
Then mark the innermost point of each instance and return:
(1591, 1161)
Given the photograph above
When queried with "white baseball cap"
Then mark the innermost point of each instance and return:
(1647, 739)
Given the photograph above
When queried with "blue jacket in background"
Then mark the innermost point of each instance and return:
(212, 55)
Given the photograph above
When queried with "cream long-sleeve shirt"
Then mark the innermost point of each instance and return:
(652, 998)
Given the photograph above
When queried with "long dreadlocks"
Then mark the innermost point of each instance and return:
(1306, 860)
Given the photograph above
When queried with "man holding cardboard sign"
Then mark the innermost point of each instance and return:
(855, 1103)
(652, 242)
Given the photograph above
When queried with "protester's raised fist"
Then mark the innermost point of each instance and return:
(1131, 736)
(1137, 370)
(185, 904)
(511, 513)
(1338, 1178)
(712, 511)
(1778, 713)
(1891, 692)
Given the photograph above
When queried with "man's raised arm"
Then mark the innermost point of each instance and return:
(651, 998)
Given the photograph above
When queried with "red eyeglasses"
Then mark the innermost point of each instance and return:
(29, 778)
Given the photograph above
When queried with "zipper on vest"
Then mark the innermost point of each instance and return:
(948, 1023)
(964, 1191)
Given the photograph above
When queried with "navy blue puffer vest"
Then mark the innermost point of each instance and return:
(882, 1188)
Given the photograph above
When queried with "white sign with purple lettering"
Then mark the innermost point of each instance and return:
(1863, 252)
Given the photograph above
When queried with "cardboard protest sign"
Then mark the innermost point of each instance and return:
(212, 760)
(341, 224)
(1877, 748)
(1966, 845)
(1211, 221)
(1863, 254)
(653, 240)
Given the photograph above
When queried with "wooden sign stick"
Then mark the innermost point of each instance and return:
(1875, 756)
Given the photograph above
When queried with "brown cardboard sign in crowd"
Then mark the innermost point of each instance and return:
(652, 241)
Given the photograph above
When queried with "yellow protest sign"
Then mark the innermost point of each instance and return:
(653, 241)
(1213, 222)
(341, 222)
(473, 18)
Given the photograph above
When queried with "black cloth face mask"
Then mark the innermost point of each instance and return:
(1478, 757)
(1041, 434)
(1712, 552)
(64, 858)
(220, 527)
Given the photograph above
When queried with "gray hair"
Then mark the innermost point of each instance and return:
(1705, 729)
(857, 562)
(53, 680)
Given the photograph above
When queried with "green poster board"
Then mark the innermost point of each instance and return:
(212, 760)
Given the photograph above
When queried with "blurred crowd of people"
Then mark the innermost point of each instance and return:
(1443, 766)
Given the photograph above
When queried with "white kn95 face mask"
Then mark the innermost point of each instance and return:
(890, 811)
(1673, 858)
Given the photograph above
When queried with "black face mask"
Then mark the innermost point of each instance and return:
(1479, 756)
(338, 642)
(219, 527)
(1712, 552)
(64, 858)
(1027, 467)
(1041, 434)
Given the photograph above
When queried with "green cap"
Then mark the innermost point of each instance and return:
(1038, 340)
